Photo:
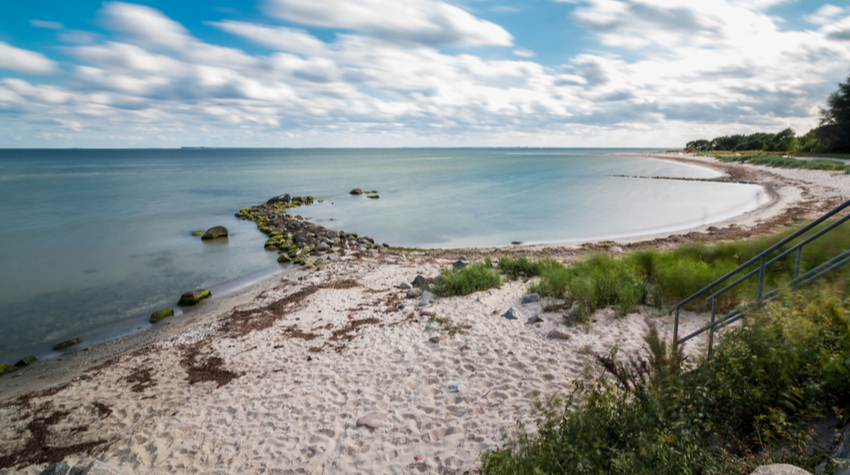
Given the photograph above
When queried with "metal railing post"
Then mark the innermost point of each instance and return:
(676, 332)
(797, 262)
(711, 329)
(761, 278)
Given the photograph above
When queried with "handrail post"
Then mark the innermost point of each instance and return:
(760, 291)
(676, 332)
(797, 262)
(711, 328)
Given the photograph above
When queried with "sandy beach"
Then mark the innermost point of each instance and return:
(288, 376)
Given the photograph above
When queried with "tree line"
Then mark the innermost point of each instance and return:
(832, 135)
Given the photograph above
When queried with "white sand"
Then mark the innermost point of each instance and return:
(287, 414)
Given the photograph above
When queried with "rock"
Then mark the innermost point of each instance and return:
(194, 296)
(459, 264)
(67, 343)
(454, 388)
(419, 458)
(60, 468)
(400, 306)
(405, 286)
(197, 233)
(78, 470)
(374, 197)
(283, 258)
(558, 335)
(437, 338)
(426, 312)
(323, 247)
(99, 468)
(534, 319)
(215, 232)
(530, 298)
(6, 369)
(462, 258)
(516, 243)
(373, 420)
(426, 299)
(510, 315)
(419, 280)
(779, 469)
(615, 249)
(25, 361)
(356, 191)
(162, 314)
(278, 199)
(413, 293)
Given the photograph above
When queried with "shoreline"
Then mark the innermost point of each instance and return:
(399, 335)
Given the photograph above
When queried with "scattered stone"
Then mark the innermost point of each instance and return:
(162, 314)
(356, 191)
(558, 335)
(516, 243)
(419, 280)
(534, 319)
(459, 264)
(60, 468)
(6, 369)
(373, 420)
(405, 286)
(419, 458)
(413, 293)
(401, 306)
(197, 233)
(283, 258)
(426, 312)
(215, 232)
(323, 247)
(615, 249)
(280, 199)
(530, 298)
(67, 343)
(510, 315)
(25, 361)
(779, 469)
(427, 299)
(454, 388)
(437, 338)
(194, 296)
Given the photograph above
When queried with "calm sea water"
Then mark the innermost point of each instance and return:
(93, 241)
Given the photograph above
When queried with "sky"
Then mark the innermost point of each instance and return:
(414, 73)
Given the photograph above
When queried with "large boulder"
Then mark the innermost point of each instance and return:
(162, 314)
(280, 199)
(194, 296)
(215, 233)
(67, 343)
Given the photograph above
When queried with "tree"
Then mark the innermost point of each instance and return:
(700, 145)
(785, 141)
(834, 130)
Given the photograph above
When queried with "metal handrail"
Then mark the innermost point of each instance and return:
(761, 258)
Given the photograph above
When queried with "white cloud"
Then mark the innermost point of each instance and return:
(427, 22)
(51, 25)
(525, 53)
(144, 24)
(279, 38)
(825, 14)
(25, 61)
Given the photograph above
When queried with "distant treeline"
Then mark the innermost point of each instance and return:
(832, 135)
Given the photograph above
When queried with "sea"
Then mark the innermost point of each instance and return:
(93, 241)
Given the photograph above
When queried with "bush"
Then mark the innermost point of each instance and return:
(522, 267)
(741, 408)
(472, 278)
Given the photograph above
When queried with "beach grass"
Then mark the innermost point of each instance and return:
(780, 161)
(524, 267)
(469, 279)
(746, 406)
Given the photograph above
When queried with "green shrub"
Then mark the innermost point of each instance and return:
(523, 267)
(472, 278)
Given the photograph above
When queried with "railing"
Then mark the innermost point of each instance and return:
(762, 259)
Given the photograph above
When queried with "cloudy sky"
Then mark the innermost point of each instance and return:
(389, 73)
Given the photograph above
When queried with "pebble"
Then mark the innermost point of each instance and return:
(419, 280)
(558, 335)
(510, 315)
(419, 458)
(427, 298)
(405, 286)
(534, 319)
(437, 339)
(530, 298)
(401, 306)
(426, 312)
(373, 420)
(413, 293)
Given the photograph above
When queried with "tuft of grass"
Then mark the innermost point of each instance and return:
(449, 326)
(523, 267)
(472, 278)
(746, 406)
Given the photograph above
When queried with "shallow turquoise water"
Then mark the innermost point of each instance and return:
(94, 240)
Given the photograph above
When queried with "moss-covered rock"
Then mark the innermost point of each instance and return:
(215, 232)
(67, 344)
(374, 197)
(197, 233)
(283, 258)
(26, 361)
(6, 369)
(162, 314)
(193, 297)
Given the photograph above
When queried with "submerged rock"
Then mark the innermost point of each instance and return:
(374, 197)
(25, 361)
(197, 233)
(356, 191)
(162, 314)
(67, 343)
(215, 232)
(280, 199)
(194, 296)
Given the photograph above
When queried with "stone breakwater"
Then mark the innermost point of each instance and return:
(297, 240)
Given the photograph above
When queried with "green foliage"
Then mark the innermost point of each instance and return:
(785, 162)
(741, 408)
(523, 267)
(472, 278)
